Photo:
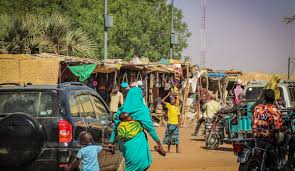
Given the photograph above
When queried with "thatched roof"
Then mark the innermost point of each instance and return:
(45, 68)
(106, 69)
(69, 59)
(148, 68)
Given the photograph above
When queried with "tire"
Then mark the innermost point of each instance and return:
(213, 141)
(250, 165)
(22, 137)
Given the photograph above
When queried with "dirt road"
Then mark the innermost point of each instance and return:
(193, 156)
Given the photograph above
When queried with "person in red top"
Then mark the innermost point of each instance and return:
(266, 117)
(267, 124)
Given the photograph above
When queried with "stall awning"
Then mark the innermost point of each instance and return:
(216, 75)
(106, 69)
(82, 71)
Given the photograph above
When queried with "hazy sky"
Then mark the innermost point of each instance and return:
(242, 34)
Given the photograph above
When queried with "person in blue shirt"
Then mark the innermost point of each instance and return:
(87, 154)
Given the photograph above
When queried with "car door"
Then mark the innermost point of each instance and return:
(75, 112)
(103, 117)
(108, 161)
(88, 115)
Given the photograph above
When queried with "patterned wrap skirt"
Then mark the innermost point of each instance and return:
(171, 135)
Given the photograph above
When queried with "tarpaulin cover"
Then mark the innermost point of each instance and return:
(82, 71)
(216, 75)
(164, 61)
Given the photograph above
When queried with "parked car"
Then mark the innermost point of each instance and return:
(40, 126)
(287, 90)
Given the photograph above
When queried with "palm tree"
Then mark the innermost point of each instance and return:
(52, 34)
(77, 43)
(55, 30)
(17, 36)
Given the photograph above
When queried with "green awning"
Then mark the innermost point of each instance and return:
(82, 71)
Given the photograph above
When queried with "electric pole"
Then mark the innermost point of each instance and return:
(108, 22)
(171, 30)
(290, 61)
(203, 34)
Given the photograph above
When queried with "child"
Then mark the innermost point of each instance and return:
(172, 129)
(87, 154)
(129, 128)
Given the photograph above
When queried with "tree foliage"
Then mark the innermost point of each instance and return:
(53, 34)
(141, 27)
(290, 19)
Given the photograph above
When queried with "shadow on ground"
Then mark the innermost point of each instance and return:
(198, 139)
(223, 149)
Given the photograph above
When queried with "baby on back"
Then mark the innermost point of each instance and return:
(125, 117)
(128, 128)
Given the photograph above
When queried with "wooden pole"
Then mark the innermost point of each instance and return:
(146, 89)
(185, 97)
(115, 79)
(59, 73)
(207, 82)
(219, 89)
(199, 85)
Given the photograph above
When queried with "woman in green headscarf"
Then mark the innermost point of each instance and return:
(136, 150)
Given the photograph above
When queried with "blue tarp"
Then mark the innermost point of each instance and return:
(216, 75)
(164, 61)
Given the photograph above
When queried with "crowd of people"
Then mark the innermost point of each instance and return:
(132, 120)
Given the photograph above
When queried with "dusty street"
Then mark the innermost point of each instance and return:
(193, 156)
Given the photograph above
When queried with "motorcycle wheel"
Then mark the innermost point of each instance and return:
(250, 165)
(212, 142)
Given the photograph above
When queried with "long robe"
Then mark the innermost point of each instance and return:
(136, 151)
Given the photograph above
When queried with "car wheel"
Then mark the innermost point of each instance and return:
(24, 138)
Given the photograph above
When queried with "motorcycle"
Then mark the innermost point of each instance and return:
(261, 155)
(267, 154)
(214, 131)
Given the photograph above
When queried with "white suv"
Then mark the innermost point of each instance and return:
(287, 89)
